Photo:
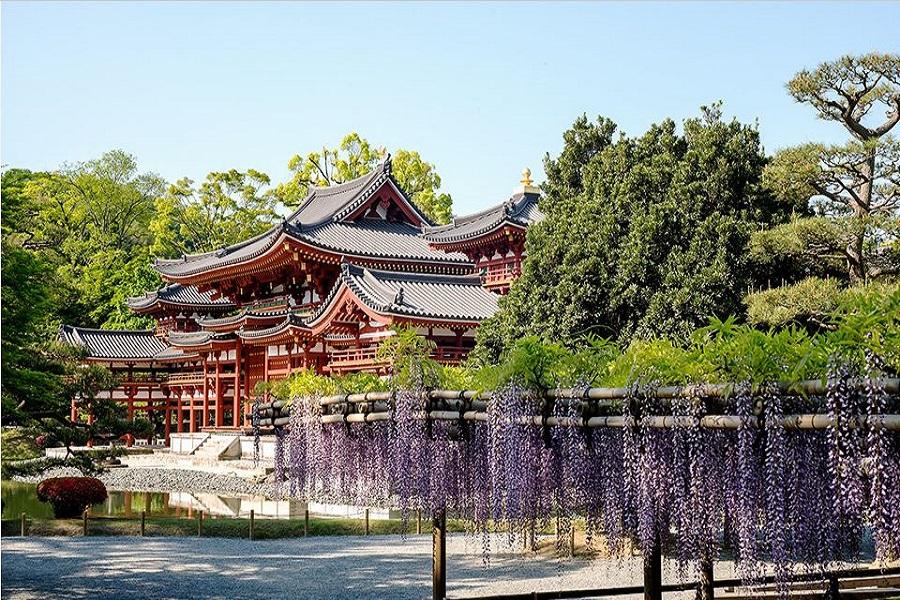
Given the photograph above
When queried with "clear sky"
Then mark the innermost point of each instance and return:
(481, 90)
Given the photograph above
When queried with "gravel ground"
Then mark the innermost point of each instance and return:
(358, 568)
(151, 479)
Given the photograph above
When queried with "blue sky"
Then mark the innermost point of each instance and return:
(481, 90)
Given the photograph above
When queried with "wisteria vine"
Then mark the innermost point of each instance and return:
(763, 492)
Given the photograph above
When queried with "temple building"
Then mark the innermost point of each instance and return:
(320, 290)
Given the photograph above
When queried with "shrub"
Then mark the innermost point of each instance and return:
(70, 496)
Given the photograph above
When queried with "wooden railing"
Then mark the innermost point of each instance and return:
(178, 378)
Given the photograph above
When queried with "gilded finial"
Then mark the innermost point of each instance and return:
(526, 177)
(382, 151)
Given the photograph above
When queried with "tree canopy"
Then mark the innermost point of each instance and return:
(845, 197)
(643, 236)
(355, 157)
(227, 208)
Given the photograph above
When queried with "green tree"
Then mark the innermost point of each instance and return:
(88, 221)
(227, 208)
(845, 198)
(355, 157)
(642, 237)
(848, 195)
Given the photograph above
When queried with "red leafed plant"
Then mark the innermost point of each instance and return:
(70, 496)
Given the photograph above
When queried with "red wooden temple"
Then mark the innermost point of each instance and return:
(320, 290)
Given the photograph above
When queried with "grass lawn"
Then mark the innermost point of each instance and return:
(218, 527)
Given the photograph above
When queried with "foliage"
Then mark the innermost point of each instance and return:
(229, 207)
(355, 157)
(87, 222)
(70, 496)
(642, 237)
(19, 444)
(806, 303)
(409, 355)
(847, 196)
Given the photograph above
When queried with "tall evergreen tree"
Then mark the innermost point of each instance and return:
(642, 237)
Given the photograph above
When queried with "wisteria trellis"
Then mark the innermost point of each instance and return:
(770, 494)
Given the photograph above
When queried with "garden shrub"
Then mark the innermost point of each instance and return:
(70, 496)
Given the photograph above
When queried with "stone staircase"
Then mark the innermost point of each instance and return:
(218, 447)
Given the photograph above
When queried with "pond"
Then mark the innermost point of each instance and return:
(22, 497)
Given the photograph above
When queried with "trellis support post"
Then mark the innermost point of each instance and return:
(24, 524)
(252, 518)
(143, 522)
(705, 588)
(306, 522)
(439, 555)
(653, 572)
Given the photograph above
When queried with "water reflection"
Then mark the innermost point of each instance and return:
(22, 497)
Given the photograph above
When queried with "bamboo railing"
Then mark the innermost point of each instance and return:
(470, 405)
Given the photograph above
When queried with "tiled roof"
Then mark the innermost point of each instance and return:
(335, 202)
(377, 239)
(428, 296)
(194, 338)
(242, 316)
(520, 209)
(118, 344)
(289, 321)
(175, 293)
(319, 223)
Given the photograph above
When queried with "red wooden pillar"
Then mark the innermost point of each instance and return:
(192, 421)
(220, 400)
(167, 425)
(130, 392)
(73, 411)
(236, 403)
(179, 407)
(204, 422)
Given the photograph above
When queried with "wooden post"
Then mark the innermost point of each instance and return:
(706, 590)
(143, 522)
(834, 588)
(84, 517)
(251, 523)
(24, 524)
(439, 555)
(200, 524)
(653, 572)
(571, 539)
(306, 522)
(419, 521)
(367, 521)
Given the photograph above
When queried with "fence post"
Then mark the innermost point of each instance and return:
(200, 524)
(439, 554)
(24, 524)
(367, 521)
(419, 521)
(571, 539)
(84, 517)
(143, 522)
(653, 572)
(251, 523)
(706, 590)
(834, 588)
(306, 522)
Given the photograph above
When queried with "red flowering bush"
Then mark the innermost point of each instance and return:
(69, 496)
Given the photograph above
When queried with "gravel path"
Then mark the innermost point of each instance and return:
(336, 567)
(161, 479)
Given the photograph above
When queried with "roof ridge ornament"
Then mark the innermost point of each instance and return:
(526, 185)
(398, 297)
